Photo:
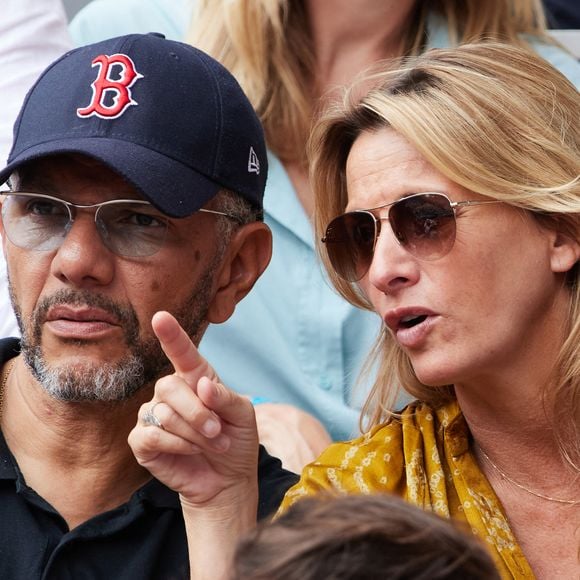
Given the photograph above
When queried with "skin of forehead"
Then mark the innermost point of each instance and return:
(37, 173)
(372, 155)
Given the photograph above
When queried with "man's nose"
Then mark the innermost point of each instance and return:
(83, 259)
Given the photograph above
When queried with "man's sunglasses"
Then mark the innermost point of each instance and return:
(423, 224)
(127, 227)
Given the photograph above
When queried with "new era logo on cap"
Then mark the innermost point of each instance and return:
(166, 116)
(253, 162)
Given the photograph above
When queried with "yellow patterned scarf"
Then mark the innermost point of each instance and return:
(425, 458)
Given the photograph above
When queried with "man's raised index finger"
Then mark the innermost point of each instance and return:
(180, 350)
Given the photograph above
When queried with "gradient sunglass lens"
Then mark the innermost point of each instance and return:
(350, 240)
(424, 225)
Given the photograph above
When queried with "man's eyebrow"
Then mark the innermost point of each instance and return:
(38, 183)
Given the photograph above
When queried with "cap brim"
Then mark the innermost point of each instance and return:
(171, 186)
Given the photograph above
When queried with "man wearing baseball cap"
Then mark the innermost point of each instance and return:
(136, 180)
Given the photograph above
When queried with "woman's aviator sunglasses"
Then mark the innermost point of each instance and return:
(423, 224)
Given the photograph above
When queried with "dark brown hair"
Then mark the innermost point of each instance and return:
(363, 538)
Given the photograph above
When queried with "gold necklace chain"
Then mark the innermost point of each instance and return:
(7, 373)
(517, 484)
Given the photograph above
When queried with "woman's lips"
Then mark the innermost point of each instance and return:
(410, 325)
(414, 336)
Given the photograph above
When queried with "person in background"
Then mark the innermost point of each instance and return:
(448, 202)
(294, 340)
(360, 537)
(33, 33)
(94, 21)
(116, 182)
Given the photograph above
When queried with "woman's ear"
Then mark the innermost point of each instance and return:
(246, 257)
(565, 252)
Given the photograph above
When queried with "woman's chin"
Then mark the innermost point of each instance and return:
(435, 375)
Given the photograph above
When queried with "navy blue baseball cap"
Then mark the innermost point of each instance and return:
(166, 116)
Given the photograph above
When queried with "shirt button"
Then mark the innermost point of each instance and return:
(325, 384)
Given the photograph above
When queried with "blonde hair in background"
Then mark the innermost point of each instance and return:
(499, 121)
(266, 44)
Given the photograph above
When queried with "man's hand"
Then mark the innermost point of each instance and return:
(206, 448)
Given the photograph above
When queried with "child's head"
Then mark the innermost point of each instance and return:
(362, 538)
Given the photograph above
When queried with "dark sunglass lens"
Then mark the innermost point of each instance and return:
(424, 225)
(350, 240)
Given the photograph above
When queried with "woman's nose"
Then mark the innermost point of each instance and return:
(392, 267)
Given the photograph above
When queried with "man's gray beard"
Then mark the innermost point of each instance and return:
(85, 382)
(145, 363)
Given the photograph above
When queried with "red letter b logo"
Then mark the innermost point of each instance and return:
(118, 91)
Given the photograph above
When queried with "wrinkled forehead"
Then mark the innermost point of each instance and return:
(59, 175)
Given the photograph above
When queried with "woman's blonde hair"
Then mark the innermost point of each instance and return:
(267, 45)
(498, 121)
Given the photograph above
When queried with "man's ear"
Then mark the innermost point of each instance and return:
(565, 252)
(246, 257)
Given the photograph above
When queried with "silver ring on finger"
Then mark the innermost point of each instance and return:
(149, 418)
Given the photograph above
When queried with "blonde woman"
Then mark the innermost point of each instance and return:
(448, 202)
(293, 340)
(470, 163)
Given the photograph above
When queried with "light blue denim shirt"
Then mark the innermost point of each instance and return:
(292, 339)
